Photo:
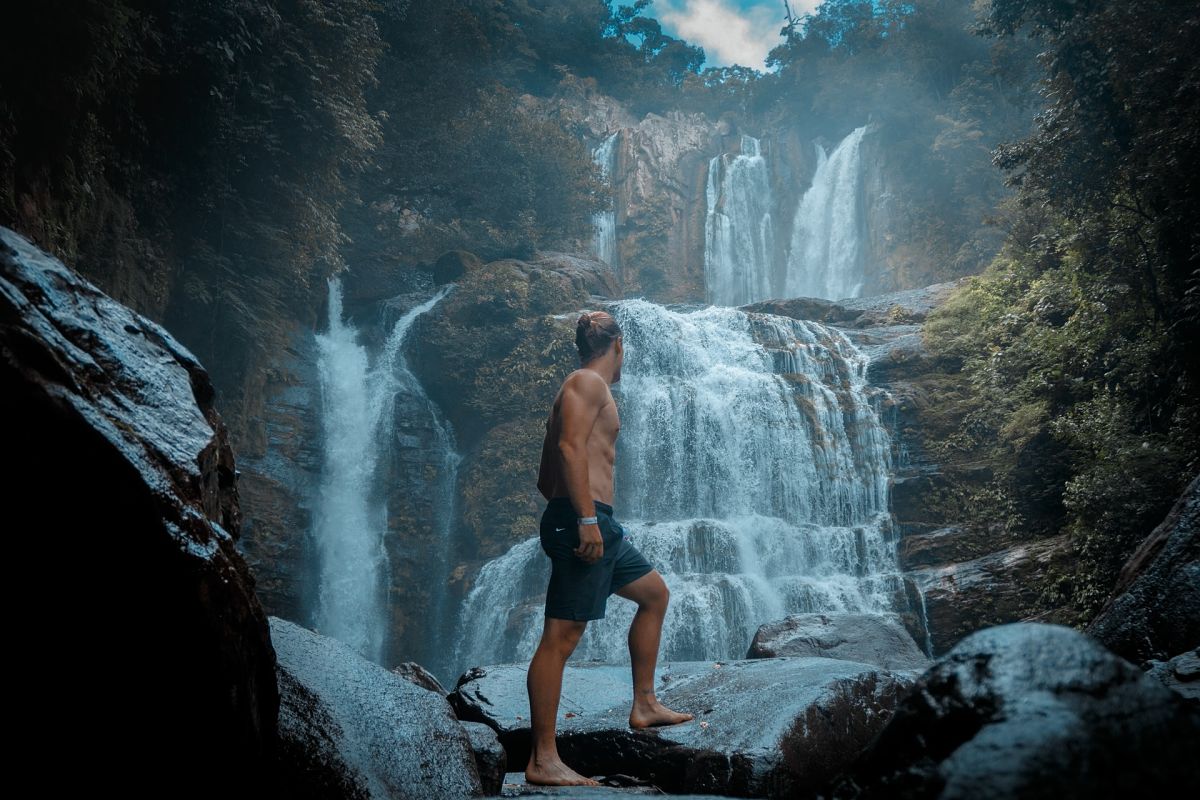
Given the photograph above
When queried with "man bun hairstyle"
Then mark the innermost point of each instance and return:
(595, 331)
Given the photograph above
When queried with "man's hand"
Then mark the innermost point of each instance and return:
(591, 543)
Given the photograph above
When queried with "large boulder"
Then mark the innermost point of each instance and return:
(1028, 710)
(490, 759)
(1154, 610)
(350, 728)
(122, 483)
(764, 727)
(869, 638)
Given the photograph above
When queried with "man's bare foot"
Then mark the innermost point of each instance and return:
(555, 773)
(656, 714)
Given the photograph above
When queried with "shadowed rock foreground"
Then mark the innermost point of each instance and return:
(111, 422)
(1031, 710)
(350, 728)
(1154, 610)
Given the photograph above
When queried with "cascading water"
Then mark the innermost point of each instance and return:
(604, 243)
(825, 256)
(752, 471)
(350, 515)
(738, 234)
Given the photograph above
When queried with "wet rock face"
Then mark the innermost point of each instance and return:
(868, 638)
(350, 728)
(659, 191)
(963, 596)
(412, 671)
(277, 476)
(764, 727)
(1031, 711)
(1180, 674)
(112, 421)
(490, 759)
(1154, 611)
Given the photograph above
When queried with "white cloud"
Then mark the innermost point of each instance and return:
(728, 34)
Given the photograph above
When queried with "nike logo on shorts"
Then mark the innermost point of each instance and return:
(560, 529)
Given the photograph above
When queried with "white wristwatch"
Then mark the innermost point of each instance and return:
(589, 520)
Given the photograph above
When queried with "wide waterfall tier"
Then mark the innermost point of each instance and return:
(825, 258)
(739, 238)
(604, 242)
(752, 470)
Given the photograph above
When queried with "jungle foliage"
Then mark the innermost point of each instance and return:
(1076, 344)
(210, 163)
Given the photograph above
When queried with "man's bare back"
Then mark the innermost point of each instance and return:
(591, 417)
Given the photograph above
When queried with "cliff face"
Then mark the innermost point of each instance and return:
(280, 467)
(659, 190)
(112, 417)
(963, 573)
(659, 185)
(889, 260)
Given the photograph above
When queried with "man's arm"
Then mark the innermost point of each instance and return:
(583, 396)
(545, 468)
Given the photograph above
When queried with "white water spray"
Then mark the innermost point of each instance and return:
(604, 243)
(825, 256)
(739, 238)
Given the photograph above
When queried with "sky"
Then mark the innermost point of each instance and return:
(730, 31)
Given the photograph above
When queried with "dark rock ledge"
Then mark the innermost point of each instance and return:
(764, 727)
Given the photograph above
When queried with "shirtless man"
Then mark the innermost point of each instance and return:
(589, 554)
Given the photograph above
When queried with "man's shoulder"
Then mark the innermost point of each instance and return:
(584, 377)
(587, 382)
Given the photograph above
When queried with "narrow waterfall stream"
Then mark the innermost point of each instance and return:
(825, 255)
(604, 243)
(349, 509)
(752, 470)
(739, 237)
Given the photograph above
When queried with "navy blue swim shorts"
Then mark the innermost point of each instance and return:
(579, 590)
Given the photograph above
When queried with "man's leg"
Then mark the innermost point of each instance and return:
(651, 594)
(544, 683)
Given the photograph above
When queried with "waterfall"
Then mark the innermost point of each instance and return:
(752, 470)
(425, 464)
(349, 514)
(739, 240)
(604, 243)
(825, 256)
